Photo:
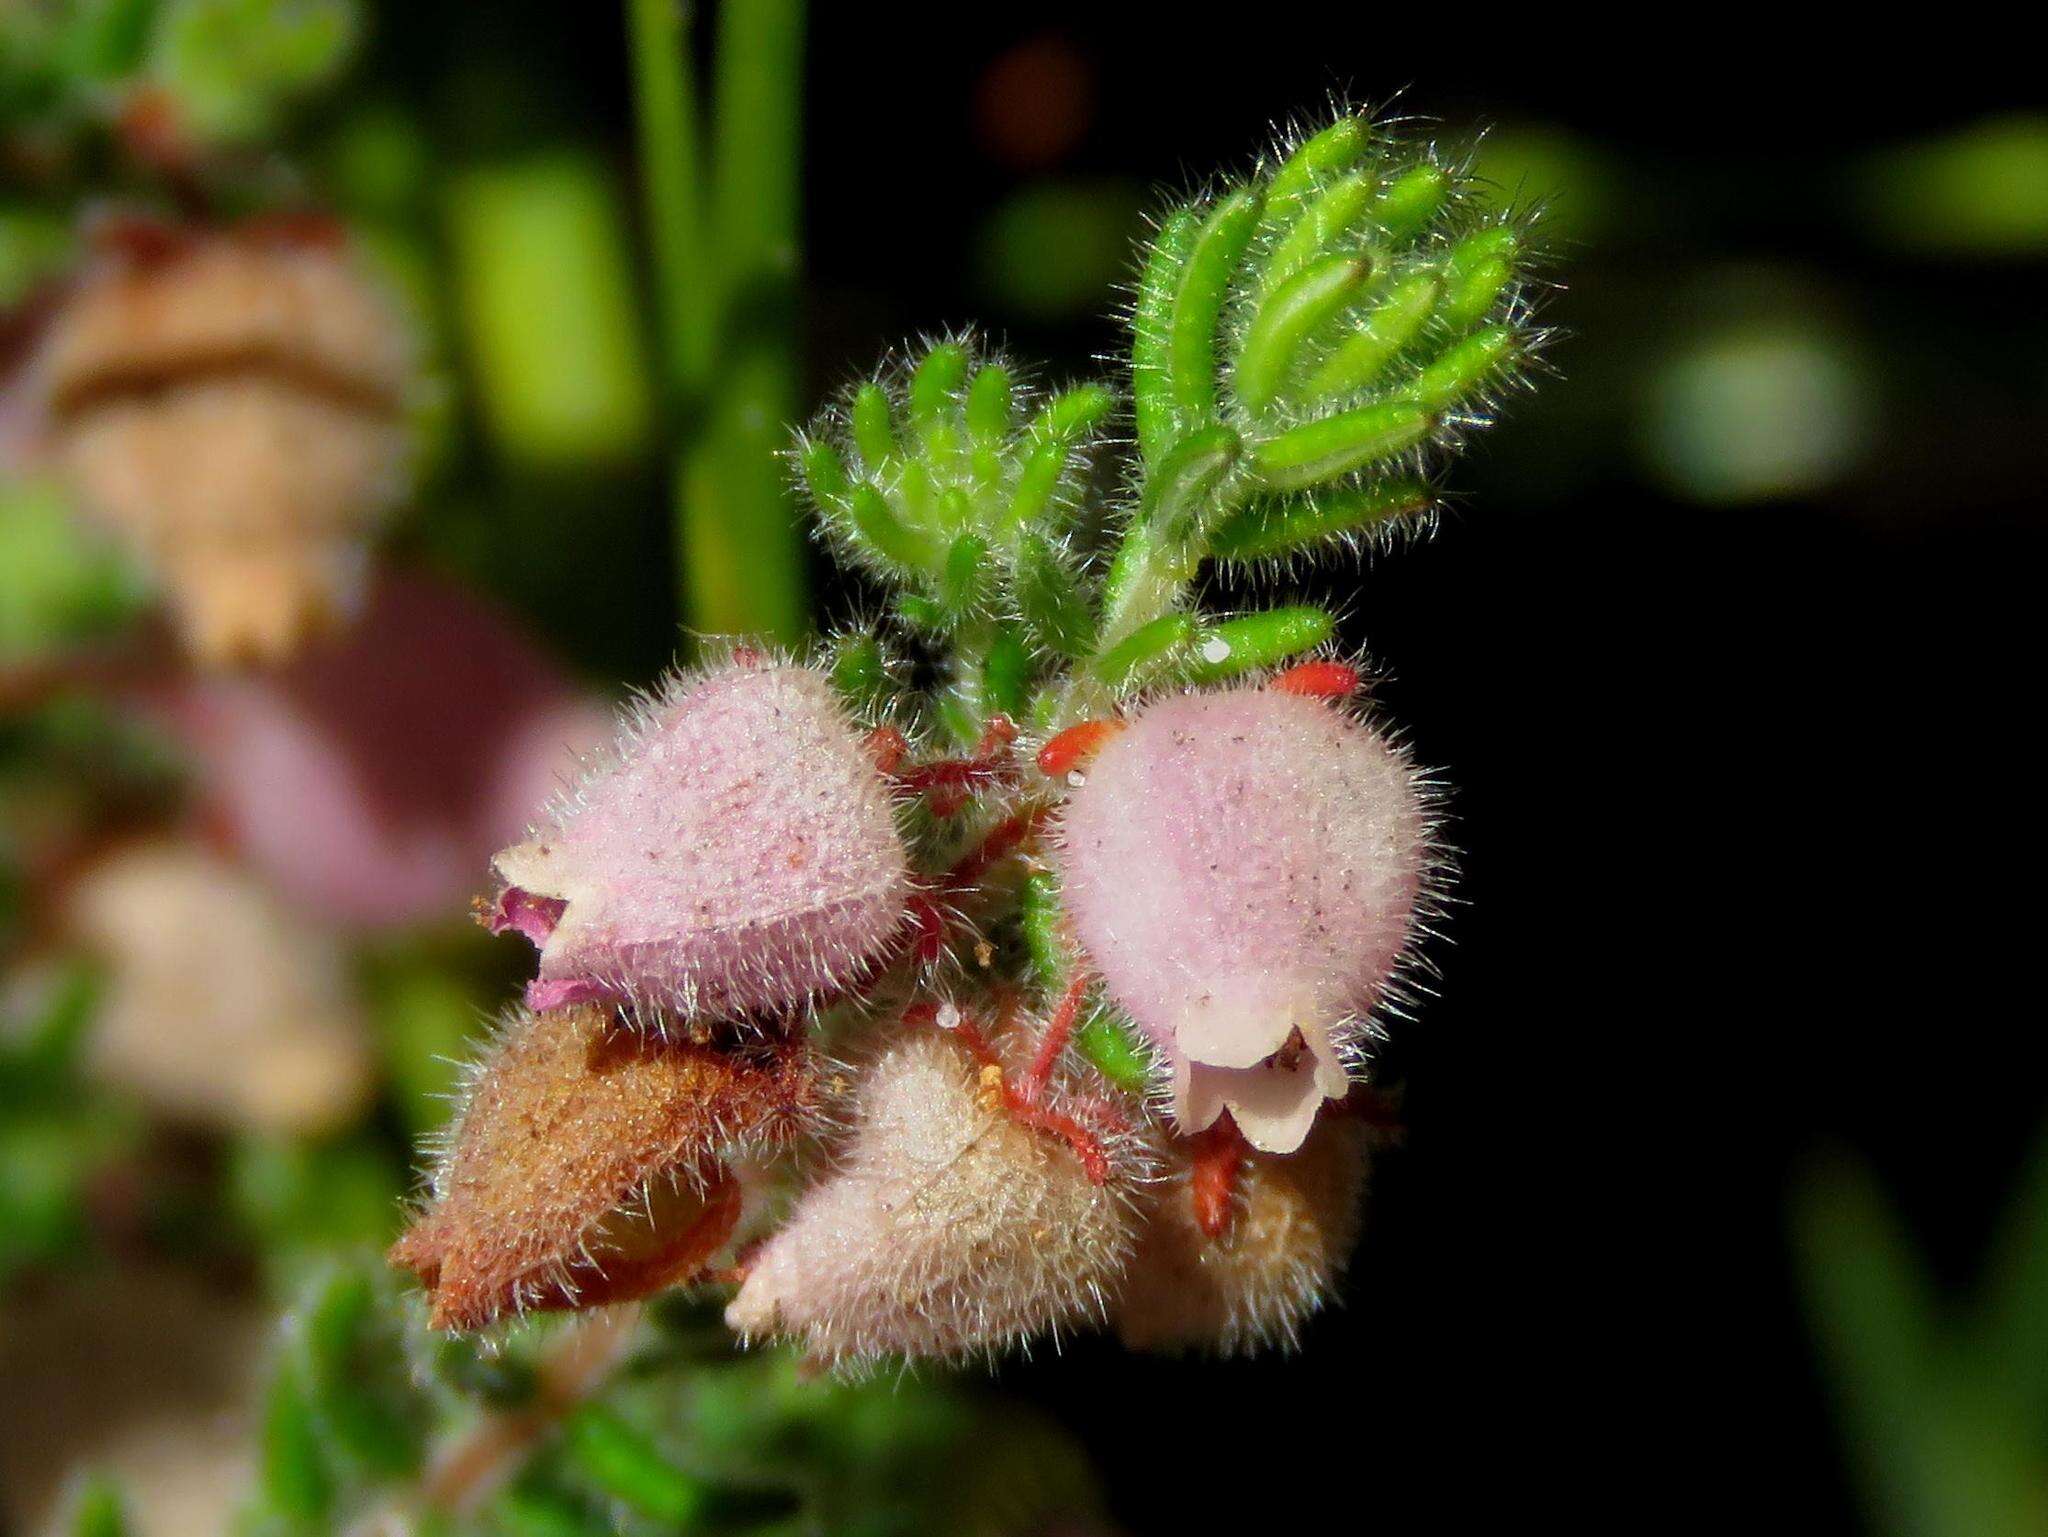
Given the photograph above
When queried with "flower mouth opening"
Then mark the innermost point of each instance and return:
(519, 911)
(1273, 1099)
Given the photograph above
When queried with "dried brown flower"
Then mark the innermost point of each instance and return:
(589, 1164)
(1292, 1222)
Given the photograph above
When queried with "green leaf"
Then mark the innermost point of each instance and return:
(1391, 325)
(825, 476)
(1145, 651)
(294, 1478)
(875, 526)
(874, 432)
(989, 404)
(492, 1376)
(1336, 148)
(963, 581)
(1212, 267)
(623, 1463)
(1274, 527)
(937, 380)
(1330, 216)
(1152, 333)
(1477, 271)
(234, 64)
(1073, 413)
(356, 1409)
(1323, 450)
(1112, 1049)
(526, 1510)
(1052, 599)
(98, 1509)
(1237, 646)
(1295, 310)
(1006, 674)
(1465, 370)
(922, 613)
(1036, 483)
(1410, 201)
(860, 672)
(1181, 495)
(59, 581)
(104, 40)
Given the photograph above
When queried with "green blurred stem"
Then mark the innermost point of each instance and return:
(672, 176)
(728, 293)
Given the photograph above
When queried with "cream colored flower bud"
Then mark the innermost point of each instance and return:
(948, 1228)
(232, 407)
(223, 1005)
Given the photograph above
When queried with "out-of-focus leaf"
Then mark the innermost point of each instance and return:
(57, 581)
(232, 65)
(427, 1020)
(1931, 1434)
(296, 1483)
(34, 246)
(2012, 1316)
(1053, 251)
(1980, 192)
(98, 1510)
(1523, 163)
(356, 1376)
(303, 1200)
(546, 283)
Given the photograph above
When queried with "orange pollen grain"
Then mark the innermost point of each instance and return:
(1319, 680)
(1075, 746)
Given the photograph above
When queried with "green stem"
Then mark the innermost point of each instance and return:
(672, 175)
(728, 293)
(1185, 496)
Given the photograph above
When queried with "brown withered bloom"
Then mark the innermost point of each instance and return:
(230, 404)
(1290, 1225)
(591, 1163)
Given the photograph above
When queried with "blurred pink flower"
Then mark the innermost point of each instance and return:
(371, 779)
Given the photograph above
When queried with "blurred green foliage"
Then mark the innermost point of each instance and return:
(1055, 249)
(545, 280)
(1944, 1403)
(686, 1438)
(228, 68)
(1982, 191)
(63, 584)
(56, 1138)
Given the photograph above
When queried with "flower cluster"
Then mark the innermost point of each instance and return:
(1010, 967)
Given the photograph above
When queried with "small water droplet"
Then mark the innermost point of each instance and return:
(1076, 779)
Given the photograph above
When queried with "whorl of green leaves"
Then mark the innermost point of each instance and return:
(1305, 341)
(961, 488)
(1301, 340)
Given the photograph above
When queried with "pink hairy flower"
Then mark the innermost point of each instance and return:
(739, 856)
(1243, 869)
